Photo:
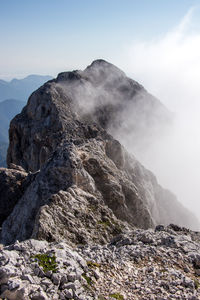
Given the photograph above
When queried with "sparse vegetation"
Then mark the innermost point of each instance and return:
(196, 284)
(104, 223)
(47, 262)
(100, 297)
(87, 278)
(117, 296)
(92, 264)
(117, 227)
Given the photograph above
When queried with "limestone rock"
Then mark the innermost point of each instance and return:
(138, 264)
(11, 190)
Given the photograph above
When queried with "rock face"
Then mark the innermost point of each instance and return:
(84, 187)
(11, 190)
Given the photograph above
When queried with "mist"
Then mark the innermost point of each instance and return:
(163, 137)
(169, 67)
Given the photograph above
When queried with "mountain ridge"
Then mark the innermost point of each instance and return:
(61, 136)
(21, 88)
(10, 106)
(8, 109)
(80, 216)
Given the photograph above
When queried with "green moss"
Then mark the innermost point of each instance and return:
(196, 284)
(88, 279)
(105, 223)
(163, 270)
(100, 297)
(116, 296)
(117, 227)
(92, 264)
(47, 262)
(92, 207)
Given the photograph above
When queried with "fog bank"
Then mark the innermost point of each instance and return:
(169, 68)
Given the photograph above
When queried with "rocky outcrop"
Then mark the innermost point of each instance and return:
(141, 264)
(63, 203)
(85, 188)
(82, 191)
(12, 186)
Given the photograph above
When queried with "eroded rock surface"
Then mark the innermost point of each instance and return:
(12, 186)
(140, 264)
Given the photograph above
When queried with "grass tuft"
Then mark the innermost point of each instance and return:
(92, 264)
(117, 296)
(47, 262)
(88, 279)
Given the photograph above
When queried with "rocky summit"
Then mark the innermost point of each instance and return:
(78, 212)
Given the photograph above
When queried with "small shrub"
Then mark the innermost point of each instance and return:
(100, 297)
(196, 284)
(105, 223)
(116, 296)
(47, 262)
(92, 264)
(87, 278)
(117, 227)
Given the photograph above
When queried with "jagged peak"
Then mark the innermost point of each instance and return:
(73, 75)
(105, 66)
(98, 69)
(100, 62)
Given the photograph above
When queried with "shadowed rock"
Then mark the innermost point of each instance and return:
(11, 190)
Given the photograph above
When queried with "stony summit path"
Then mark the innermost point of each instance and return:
(142, 264)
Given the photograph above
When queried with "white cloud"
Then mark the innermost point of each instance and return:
(169, 67)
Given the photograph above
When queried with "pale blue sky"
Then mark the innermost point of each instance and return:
(49, 36)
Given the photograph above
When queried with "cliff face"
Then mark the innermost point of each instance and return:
(84, 186)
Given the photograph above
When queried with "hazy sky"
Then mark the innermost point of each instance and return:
(48, 36)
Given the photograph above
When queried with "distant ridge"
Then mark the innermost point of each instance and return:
(13, 96)
(8, 109)
(21, 88)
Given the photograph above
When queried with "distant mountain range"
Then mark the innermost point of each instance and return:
(13, 97)
(21, 88)
(8, 109)
(3, 151)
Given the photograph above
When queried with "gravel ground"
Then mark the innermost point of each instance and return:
(142, 264)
